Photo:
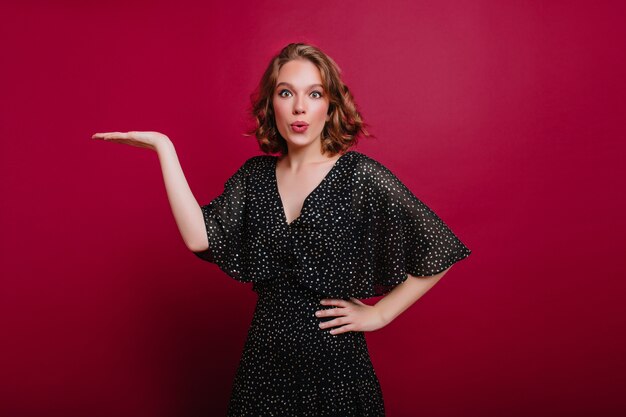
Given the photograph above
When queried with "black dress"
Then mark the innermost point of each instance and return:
(359, 233)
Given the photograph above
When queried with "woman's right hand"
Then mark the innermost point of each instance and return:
(148, 140)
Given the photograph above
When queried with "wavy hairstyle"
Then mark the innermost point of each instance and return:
(345, 124)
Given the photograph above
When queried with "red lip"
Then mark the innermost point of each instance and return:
(299, 123)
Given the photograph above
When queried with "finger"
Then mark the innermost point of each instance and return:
(342, 329)
(127, 142)
(121, 141)
(332, 323)
(118, 135)
(357, 301)
(336, 311)
(329, 312)
(104, 135)
(113, 135)
(98, 135)
(333, 302)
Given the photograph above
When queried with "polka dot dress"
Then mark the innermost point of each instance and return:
(359, 233)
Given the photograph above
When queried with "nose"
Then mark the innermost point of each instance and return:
(298, 106)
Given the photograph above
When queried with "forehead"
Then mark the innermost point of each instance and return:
(299, 73)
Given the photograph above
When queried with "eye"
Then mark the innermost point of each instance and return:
(317, 92)
(280, 93)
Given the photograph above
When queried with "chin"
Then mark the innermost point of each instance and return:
(298, 140)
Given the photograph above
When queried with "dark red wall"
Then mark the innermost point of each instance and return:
(505, 117)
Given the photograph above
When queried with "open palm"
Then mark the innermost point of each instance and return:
(139, 139)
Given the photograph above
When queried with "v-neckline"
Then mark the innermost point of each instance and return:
(280, 199)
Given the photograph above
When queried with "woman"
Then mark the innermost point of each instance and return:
(313, 229)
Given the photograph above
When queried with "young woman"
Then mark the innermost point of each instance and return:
(314, 229)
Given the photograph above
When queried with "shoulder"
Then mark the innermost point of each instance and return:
(371, 169)
(256, 163)
(378, 182)
(252, 167)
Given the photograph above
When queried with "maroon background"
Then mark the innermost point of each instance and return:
(506, 118)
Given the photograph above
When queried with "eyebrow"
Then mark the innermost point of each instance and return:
(291, 86)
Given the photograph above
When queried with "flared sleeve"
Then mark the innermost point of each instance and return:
(400, 234)
(225, 224)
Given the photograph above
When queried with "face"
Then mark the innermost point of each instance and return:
(300, 97)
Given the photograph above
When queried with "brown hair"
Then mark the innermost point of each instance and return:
(345, 125)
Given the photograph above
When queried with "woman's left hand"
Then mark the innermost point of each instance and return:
(355, 316)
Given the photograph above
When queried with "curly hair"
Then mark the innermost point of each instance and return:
(345, 124)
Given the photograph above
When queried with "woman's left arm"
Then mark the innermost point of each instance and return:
(355, 315)
(405, 294)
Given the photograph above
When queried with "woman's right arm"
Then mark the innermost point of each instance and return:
(187, 213)
(186, 210)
